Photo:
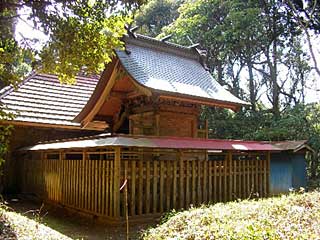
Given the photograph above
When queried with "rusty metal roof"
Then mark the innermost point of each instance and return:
(155, 142)
(294, 146)
(171, 68)
(42, 99)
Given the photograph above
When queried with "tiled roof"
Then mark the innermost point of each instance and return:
(172, 68)
(42, 99)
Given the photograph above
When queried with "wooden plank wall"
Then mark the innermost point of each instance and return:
(85, 183)
(157, 180)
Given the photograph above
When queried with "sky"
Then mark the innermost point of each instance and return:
(24, 28)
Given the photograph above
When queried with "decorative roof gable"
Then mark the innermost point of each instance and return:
(171, 68)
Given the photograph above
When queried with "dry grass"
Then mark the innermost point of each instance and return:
(17, 226)
(296, 216)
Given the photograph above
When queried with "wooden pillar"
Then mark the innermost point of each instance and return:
(268, 174)
(157, 124)
(181, 180)
(231, 175)
(116, 183)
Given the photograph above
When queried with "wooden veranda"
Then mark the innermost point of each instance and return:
(158, 180)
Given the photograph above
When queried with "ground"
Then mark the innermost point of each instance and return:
(56, 222)
(293, 216)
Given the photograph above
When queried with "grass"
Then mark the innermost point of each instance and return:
(294, 216)
(16, 226)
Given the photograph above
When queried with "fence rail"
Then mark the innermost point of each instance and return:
(157, 180)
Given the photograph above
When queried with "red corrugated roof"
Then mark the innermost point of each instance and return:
(157, 142)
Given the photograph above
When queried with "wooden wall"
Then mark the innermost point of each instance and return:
(164, 120)
(23, 136)
(157, 180)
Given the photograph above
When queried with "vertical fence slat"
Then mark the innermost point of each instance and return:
(155, 187)
(133, 188)
(181, 178)
(193, 182)
(168, 184)
(148, 180)
(161, 186)
(174, 190)
(103, 187)
(188, 193)
(140, 187)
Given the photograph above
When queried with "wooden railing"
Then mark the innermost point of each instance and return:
(157, 180)
(175, 180)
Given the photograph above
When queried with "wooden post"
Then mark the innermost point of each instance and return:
(268, 174)
(116, 184)
(181, 180)
(126, 196)
(157, 124)
(230, 184)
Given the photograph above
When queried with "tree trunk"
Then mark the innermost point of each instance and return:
(251, 85)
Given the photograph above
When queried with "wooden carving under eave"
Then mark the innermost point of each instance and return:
(110, 76)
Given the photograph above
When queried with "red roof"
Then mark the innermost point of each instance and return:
(157, 142)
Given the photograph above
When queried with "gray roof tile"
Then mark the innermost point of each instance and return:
(171, 68)
(41, 98)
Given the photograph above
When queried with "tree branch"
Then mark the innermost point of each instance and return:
(305, 29)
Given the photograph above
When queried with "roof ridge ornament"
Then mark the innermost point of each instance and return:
(166, 38)
(201, 52)
(131, 30)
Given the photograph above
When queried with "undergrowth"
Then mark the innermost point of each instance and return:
(294, 216)
(16, 226)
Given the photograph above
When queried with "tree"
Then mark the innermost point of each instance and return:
(155, 15)
(82, 33)
(307, 17)
(233, 34)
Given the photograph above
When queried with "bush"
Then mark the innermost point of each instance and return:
(296, 216)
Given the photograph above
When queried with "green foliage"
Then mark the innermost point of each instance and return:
(99, 38)
(155, 15)
(301, 122)
(296, 216)
(82, 34)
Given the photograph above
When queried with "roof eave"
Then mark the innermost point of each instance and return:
(96, 99)
(44, 125)
(201, 100)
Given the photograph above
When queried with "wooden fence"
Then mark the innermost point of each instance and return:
(157, 180)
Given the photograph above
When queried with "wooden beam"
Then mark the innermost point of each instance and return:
(98, 104)
(118, 123)
(99, 125)
(201, 101)
(116, 183)
(118, 94)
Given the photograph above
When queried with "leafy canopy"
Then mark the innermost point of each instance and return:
(82, 34)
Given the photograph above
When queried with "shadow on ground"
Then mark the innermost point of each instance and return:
(71, 225)
(6, 232)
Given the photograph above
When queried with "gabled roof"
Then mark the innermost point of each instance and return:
(171, 68)
(42, 100)
(294, 146)
(158, 68)
(155, 142)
